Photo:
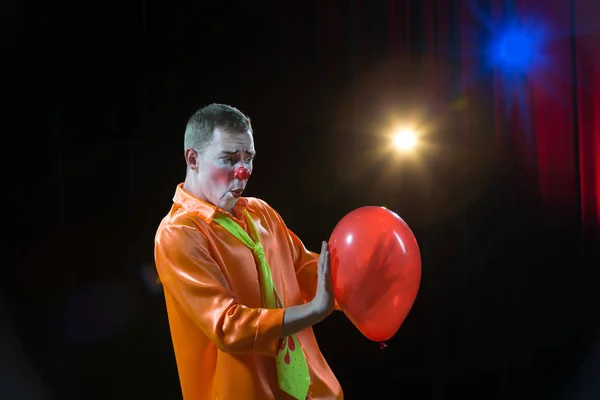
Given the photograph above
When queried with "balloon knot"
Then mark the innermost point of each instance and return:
(382, 346)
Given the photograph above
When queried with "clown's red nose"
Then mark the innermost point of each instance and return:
(242, 173)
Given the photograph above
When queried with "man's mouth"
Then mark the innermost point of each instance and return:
(237, 193)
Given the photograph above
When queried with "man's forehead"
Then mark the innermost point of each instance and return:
(233, 143)
(230, 134)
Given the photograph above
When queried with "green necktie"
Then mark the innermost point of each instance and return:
(292, 370)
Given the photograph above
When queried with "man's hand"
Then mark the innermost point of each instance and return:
(324, 299)
(298, 318)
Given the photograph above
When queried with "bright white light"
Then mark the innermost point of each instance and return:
(405, 139)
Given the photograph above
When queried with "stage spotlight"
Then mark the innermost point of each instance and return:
(405, 139)
(518, 49)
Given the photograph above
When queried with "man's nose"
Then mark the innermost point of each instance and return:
(241, 173)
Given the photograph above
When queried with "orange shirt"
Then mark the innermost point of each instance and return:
(224, 341)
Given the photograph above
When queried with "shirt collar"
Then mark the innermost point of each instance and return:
(203, 209)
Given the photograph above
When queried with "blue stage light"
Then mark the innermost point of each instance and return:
(518, 49)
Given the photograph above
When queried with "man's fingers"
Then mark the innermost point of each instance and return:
(322, 259)
(327, 267)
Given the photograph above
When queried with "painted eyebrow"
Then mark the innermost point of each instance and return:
(233, 153)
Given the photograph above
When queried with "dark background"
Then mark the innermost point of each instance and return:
(98, 95)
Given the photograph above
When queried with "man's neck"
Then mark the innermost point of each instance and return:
(191, 188)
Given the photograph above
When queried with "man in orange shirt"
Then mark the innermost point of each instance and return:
(225, 337)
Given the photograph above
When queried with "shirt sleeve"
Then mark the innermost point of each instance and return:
(193, 278)
(307, 266)
(306, 262)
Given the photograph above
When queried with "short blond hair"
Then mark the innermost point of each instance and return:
(201, 126)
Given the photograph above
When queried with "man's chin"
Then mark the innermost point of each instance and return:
(228, 202)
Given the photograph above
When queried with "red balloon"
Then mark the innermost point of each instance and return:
(376, 270)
